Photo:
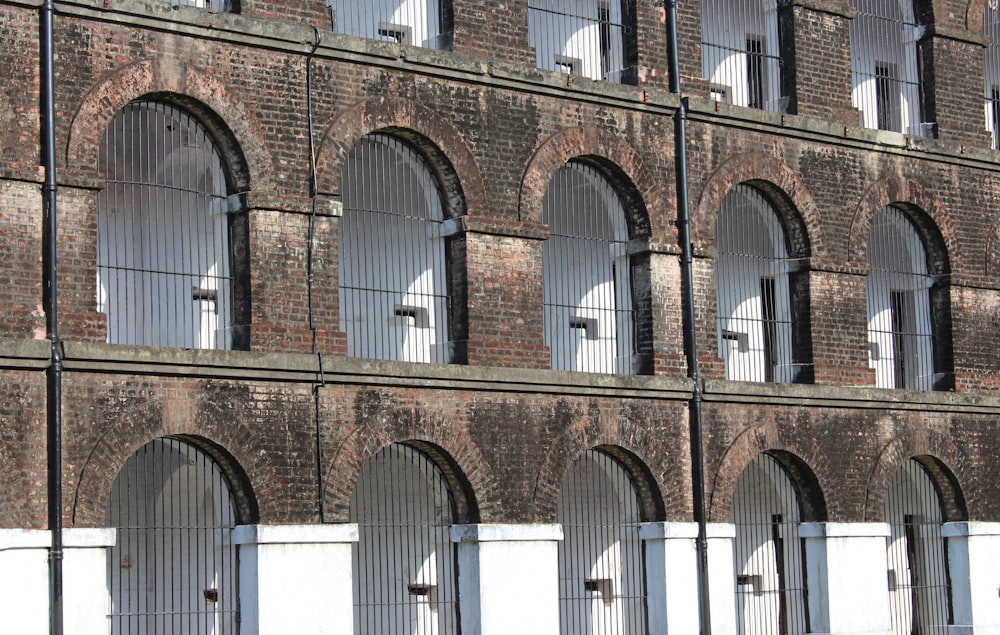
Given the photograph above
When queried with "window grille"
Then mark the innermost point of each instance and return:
(752, 282)
(163, 260)
(393, 297)
(589, 318)
(174, 566)
(991, 30)
(740, 54)
(591, 38)
(404, 561)
(424, 23)
(601, 569)
(886, 67)
(771, 595)
(919, 583)
(900, 336)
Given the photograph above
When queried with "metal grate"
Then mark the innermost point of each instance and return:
(601, 569)
(422, 23)
(900, 336)
(590, 38)
(740, 55)
(393, 298)
(919, 583)
(885, 61)
(404, 561)
(754, 303)
(174, 567)
(163, 268)
(991, 30)
(771, 596)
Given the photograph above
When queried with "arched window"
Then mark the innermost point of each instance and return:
(901, 337)
(589, 317)
(425, 23)
(755, 301)
(590, 38)
(771, 595)
(919, 583)
(740, 56)
(173, 568)
(404, 564)
(991, 31)
(393, 282)
(886, 65)
(601, 569)
(165, 274)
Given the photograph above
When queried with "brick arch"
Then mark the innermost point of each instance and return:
(234, 126)
(611, 155)
(780, 183)
(924, 208)
(434, 136)
(938, 453)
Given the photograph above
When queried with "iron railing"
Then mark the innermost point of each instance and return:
(424, 23)
(590, 38)
(991, 30)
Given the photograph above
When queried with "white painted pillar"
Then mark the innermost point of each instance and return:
(721, 577)
(296, 578)
(86, 596)
(973, 554)
(508, 578)
(847, 577)
(671, 577)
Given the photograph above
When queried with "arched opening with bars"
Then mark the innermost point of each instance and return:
(601, 567)
(405, 579)
(771, 594)
(394, 300)
(759, 292)
(991, 66)
(906, 310)
(166, 275)
(590, 38)
(424, 23)
(887, 67)
(740, 55)
(590, 319)
(174, 567)
(919, 578)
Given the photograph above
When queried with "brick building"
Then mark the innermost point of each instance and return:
(373, 316)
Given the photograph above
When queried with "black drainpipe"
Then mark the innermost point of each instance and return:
(690, 335)
(53, 374)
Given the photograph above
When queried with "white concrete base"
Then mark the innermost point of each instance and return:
(296, 578)
(973, 555)
(508, 578)
(671, 577)
(721, 577)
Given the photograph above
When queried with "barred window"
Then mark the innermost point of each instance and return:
(425, 23)
(226, 6)
(991, 30)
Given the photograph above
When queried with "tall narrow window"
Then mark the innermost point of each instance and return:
(740, 57)
(887, 97)
(601, 573)
(589, 317)
(164, 273)
(592, 38)
(426, 23)
(991, 30)
(393, 285)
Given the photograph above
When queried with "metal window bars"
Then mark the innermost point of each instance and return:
(601, 569)
(900, 335)
(590, 38)
(404, 562)
(163, 263)
(740, 55)
(589, 316)
(752, 282)
(886, 67)
(991, 30)
(423, 23)
(393, 285)
(173, 568)
(919, 583)
(771, 595)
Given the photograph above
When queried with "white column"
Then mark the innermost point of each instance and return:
(847, 577)
(86, 598)
(508, 580)
(296, 578)
(671, 577)
(722, 577)
(973, 554)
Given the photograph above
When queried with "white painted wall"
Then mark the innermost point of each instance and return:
(671, 577)
(973, 554)
(721, 577)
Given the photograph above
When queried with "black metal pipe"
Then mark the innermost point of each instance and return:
(690, 332)
(53, 374)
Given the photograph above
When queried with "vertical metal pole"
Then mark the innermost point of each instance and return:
(53, 374)
(690, 335)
